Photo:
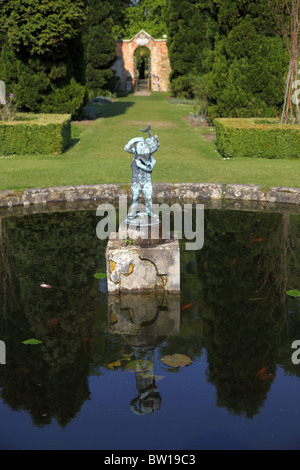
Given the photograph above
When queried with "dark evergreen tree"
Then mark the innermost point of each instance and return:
(249, 61)
(186, 42)
(100, 47)
(230, 51)
(42, 56)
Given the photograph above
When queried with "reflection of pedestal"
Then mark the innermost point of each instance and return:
(139, 262)
(144, 320)
(143, 269)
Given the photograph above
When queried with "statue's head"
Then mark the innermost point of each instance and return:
(145, 148)
(142, 149)
(152, 143)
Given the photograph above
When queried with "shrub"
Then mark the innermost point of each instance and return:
(247, 85)
(253, 137)
(67, 99)
(182, 87)
(35, 133)
(8, 110)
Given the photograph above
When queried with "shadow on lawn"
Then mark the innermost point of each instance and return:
(115, 108)
(100, 110)
(73, 143)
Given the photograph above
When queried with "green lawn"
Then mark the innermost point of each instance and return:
(98, 156)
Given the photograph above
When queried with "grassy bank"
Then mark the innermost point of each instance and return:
(97, 154)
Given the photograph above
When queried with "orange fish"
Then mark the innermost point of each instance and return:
(233, 262)
(54, 322)
(261, 371)
(259, 240)
(187, 306)
(263, 375)
(46, 286)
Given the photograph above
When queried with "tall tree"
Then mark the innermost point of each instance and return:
(247, 63)
(142, 14)
(286, 15)
(100, 47)
(41, 26)
(41, 59)
(118, 15)
(186, 41)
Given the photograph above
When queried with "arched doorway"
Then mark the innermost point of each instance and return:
(158, 68)
(142, 68)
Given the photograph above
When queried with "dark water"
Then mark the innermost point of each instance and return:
(240, 392)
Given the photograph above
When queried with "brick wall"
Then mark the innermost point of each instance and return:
(160, 63)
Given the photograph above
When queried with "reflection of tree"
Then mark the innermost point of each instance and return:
(241, 335)
(281, 259)
(50, 379)
(189, 341)
(29, 383)
(242, 317)
(4, 268)
(291, 280)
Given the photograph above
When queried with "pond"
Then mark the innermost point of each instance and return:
(97, 379)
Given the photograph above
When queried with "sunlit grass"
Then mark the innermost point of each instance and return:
(98, 156)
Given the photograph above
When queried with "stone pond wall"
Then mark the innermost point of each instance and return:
(217, 193)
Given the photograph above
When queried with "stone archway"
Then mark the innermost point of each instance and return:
(142, 69)
(160, 64)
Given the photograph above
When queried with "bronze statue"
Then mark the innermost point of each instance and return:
(142, 167)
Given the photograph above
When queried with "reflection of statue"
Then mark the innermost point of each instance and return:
(148, 399)
(142, 166)
(144, 320)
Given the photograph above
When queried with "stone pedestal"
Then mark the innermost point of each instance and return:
(137, 265)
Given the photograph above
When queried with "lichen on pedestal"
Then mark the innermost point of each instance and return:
(137, 267)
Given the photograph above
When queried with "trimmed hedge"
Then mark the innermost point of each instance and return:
(257, 137)
(35, 133)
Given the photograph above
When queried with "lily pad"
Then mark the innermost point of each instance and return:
(100, 275)
(293, 293)
(114, 364)
(140, 365)
(176, 360)
(31, 341)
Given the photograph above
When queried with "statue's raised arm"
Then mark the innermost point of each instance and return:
(130, 146)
